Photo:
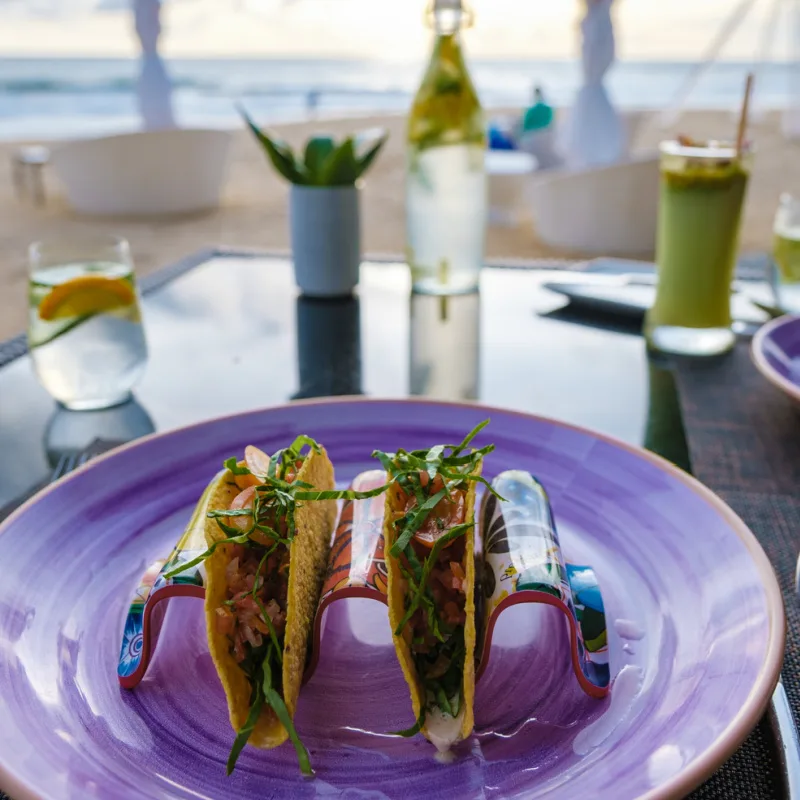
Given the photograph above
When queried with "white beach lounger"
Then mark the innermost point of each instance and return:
(601, 210)
(145, 173)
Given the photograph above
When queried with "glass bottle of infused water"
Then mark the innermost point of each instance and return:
(446, 177)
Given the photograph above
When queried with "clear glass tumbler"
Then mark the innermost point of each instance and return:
(85, 333)
(700, 208)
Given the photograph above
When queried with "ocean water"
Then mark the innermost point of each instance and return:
(54, 98)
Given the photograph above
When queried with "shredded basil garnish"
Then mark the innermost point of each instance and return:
(264, 693)
(232, 465)
(244, 733)
(242, 539)
(282, 713)
(415, 728)
(341, 494)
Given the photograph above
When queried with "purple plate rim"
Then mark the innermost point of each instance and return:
(726, 744)
(760, 360)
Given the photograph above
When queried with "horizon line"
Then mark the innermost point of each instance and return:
(376, 59)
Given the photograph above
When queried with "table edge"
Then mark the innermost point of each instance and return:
(17, 346)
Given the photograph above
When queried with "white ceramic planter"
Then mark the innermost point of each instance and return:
(326, 239)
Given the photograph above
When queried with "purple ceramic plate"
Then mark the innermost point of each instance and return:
(776, 354)
(695, 619)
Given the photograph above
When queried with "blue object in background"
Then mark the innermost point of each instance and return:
(500, 140)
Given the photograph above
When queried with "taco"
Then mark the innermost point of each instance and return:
(267, 554)
(429, 530)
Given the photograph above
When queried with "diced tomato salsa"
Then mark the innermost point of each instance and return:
(241, 616)
(447, 577)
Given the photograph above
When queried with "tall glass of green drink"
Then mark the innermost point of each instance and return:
(786, 254)
(703, 187)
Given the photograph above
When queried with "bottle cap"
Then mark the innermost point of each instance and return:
(448, 5)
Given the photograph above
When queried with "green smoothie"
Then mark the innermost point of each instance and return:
(700, 208)
(786, 254)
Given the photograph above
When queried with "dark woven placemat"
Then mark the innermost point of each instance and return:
(744, 442)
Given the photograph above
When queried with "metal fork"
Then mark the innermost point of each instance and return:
(70, 460)
(784, 728)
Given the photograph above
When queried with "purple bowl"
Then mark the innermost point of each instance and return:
(776, 354)
(696, 631)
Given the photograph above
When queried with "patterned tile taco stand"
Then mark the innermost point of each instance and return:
(522, 563)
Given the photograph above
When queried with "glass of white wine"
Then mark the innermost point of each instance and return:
(786, 254)
(85, 334)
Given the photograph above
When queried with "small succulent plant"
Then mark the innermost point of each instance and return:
(324, 162)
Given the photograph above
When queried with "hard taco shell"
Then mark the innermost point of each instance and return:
(397, 589)
(308, 559)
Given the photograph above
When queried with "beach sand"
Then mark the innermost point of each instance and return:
(253, 213)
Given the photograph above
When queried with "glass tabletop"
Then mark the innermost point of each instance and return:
(232, 334)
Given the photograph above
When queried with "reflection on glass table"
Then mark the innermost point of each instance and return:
(69, 431)
(328, 347)
(444, 346)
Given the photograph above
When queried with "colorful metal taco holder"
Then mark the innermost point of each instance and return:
(522, 563)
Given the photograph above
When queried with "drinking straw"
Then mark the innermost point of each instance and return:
(748, 88)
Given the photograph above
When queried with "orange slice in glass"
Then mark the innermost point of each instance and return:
(87, 294)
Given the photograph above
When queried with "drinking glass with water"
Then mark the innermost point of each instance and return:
(786, 254)
(85, 333)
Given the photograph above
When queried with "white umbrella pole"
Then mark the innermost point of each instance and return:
(594, 133)
(154, 87)
(791, 116)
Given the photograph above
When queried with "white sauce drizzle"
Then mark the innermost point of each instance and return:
(442, 729)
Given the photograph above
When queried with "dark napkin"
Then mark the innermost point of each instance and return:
(744, 443)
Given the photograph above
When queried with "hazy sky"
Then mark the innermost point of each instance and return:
(378, 28)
